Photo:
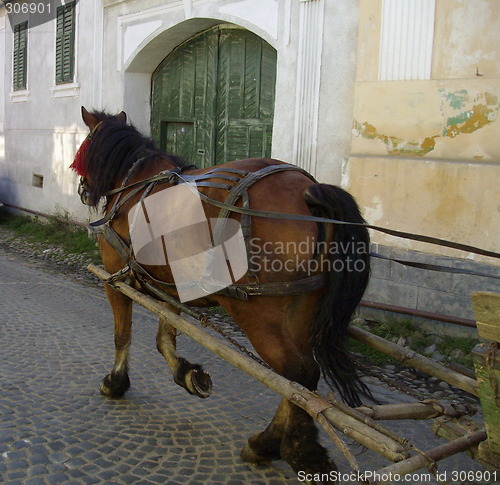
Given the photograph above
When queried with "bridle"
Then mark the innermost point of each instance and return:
(83, 185)
(84, 191)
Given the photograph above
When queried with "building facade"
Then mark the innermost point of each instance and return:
(395, 100)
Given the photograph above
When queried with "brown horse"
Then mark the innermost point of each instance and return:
(308, 277)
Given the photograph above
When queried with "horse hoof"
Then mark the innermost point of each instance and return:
(251, 456)
(199, 383)
(115, 385)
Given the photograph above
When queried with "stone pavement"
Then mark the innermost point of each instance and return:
(56, 343)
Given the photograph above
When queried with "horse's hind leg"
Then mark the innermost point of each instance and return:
(117, 382)
(300, 447)
(292, 435)
(189, 376)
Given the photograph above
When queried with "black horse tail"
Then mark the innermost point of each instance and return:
(348, 270)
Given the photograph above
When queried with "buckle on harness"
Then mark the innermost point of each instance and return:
(124, 275)
(84, 191)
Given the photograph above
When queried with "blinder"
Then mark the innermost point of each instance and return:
(84, 191)
(78, 166)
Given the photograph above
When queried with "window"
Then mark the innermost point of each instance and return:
(406, 40)
(65, 43)
(20, 64)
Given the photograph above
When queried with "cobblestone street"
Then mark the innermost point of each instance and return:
(56, 343)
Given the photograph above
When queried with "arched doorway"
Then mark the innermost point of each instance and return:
(213, 97)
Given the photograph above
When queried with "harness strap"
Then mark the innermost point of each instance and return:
(392, 232)
(116, 206)
(242, 186)
(244, 181)
(246, 229)
(242, 291)
(115, 241)
(214, 185)
(240, 191)
(149, 183)
(172, 176)
(230, 170)
(210, 175)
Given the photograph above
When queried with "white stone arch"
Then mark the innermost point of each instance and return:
(316, 44)
(146, 38)
(159, 44)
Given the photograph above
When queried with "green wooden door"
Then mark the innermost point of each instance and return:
(213, 97)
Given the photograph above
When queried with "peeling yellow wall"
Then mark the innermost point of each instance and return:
(425, 155)
(455, 201)
(466, 36)
(437, 119)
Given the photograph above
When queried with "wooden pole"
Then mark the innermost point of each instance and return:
(312, 403)
(417, 410)
(401, 469)
(416, 360)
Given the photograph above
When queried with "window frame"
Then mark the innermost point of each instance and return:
(65, 43)
(20, 67)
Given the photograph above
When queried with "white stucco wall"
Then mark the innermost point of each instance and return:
(42, 125)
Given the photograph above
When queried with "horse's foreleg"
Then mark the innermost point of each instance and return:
(266, 446)
(116, 383)
(189, 376)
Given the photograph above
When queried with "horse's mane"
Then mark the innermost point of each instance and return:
(114, 148)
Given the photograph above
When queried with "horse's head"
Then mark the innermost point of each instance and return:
(93, 120)
(111, 152)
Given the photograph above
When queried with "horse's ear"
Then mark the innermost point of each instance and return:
(122, 117)
(89, 119)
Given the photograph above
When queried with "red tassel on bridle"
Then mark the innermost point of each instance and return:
(79, 165)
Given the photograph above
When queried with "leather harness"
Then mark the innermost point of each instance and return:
(236, 182)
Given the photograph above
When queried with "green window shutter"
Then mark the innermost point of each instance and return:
(20, 54)
(65, 43)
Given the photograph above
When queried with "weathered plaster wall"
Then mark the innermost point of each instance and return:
(467, 35)
(425, 154)
(454, 201)
(438, 119)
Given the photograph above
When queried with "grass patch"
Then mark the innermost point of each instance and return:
(454, 349)
(372, 355)
(71, 239)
